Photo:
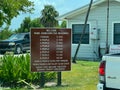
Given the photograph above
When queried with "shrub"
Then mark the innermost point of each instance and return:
(16, 68)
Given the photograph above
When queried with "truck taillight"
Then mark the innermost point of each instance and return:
(102, 71)
(102, 68)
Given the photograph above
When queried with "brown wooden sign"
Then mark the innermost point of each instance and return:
(50, 49)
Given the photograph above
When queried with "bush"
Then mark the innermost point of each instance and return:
(14, 69)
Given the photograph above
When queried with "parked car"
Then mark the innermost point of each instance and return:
(16, 43)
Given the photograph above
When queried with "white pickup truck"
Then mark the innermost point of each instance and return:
(109, 72)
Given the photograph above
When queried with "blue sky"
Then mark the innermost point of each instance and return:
(62, 6)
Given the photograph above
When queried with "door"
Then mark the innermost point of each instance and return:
(26, 42)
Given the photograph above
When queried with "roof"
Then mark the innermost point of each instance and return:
(81, 10)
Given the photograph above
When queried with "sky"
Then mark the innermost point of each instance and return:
(62, 6)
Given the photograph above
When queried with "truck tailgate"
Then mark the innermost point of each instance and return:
(113, 72)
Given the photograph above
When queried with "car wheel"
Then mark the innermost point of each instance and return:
(18, 50)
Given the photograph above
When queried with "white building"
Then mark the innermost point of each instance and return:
(94, 42)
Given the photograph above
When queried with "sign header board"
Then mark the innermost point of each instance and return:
(50, 49)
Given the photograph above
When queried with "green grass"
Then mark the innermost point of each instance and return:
(83, 76)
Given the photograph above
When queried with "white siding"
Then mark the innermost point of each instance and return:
(97, 19)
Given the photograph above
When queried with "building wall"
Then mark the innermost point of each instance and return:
(97, 19)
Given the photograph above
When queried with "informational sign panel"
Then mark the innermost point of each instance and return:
(50, 49)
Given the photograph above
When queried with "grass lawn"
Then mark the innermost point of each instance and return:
(83, 76)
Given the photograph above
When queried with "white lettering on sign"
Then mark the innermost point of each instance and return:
(36, 33)
(47, 40)
(54, 49)
(44, 36)
(44, 49)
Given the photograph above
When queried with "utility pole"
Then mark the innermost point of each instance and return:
(106, 50)
(84, 28)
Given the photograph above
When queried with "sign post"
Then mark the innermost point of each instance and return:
(50, 49)
(59, 79)
(42, 79)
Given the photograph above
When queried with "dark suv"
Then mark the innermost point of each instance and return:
(16, 43)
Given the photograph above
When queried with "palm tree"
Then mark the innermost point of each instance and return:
(48, 16)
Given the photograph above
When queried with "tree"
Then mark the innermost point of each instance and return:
(5, 33)
(35, 23)
(11, 8)
(48, 16)
(63, 24)
(27, 24)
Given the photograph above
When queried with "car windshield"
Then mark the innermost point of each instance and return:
(16, 37)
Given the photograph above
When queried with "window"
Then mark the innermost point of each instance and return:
(78, 31)
(116, 38)
(27, 37)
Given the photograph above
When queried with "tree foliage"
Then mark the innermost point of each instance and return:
(48, 16)
(5, 33)
(27, 24)
(11, 8)
(36, 23)
(63, 24)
